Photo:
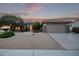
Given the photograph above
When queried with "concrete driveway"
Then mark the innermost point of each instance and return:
(67, 40)
(27, 40)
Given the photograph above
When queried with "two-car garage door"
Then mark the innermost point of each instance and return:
(55, 28)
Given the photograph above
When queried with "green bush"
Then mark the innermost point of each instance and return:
(36, 25)
(6, 34)
(36, 31)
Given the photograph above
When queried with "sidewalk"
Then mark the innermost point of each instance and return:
(6, 52)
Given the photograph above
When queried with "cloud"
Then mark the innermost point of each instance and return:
(28, 9)
(16, 13)
(33, 7)
(77, 14)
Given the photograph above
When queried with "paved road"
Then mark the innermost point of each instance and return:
(29, 41)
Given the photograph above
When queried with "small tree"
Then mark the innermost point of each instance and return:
(36, 26)
(67, 26)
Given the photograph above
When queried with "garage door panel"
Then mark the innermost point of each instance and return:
(55, 28)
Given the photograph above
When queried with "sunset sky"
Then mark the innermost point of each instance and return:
(45, 10)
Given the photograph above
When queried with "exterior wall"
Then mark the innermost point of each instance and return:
(56, 28)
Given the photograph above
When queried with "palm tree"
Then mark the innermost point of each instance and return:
(20, 23)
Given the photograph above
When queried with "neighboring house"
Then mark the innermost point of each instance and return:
(56, 26)
(7, 28)
(75, 23)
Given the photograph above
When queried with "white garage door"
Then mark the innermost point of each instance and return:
(55, 28)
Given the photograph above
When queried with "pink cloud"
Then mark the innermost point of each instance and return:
(77, 14)
(33, 7)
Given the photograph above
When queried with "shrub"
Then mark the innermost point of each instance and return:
(67, 27)
(36, 26)
(6, 34)
(36, 31)
(75, 29)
